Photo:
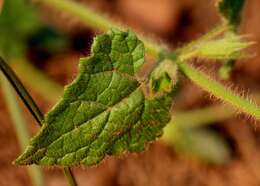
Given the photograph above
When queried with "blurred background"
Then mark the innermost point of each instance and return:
(210, 145)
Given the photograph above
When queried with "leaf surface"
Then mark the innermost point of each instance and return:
(103, 111)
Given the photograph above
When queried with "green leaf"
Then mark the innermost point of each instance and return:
(164, 77)
(231, 10)
(103, 111)
(227, 48)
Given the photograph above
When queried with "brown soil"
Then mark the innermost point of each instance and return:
(175, 22)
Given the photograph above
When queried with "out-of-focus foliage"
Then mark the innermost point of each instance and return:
(49, 39)
(198, 142)
(20, 23)
(204, 144)
(231, 10)
(1, 5)
(17, 20)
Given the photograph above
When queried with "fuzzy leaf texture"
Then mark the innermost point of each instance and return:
(231, 10)
(104, 111)
(227, 48)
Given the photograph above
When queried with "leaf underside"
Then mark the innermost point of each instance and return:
(231, 10)
(103, 111)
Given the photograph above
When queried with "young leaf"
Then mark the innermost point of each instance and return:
(104, 111)
(231, 10)
(164, 77)
(226, 48)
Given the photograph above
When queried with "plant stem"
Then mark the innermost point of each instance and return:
(85, 15)
(32, 107)
(99, 22)
(94, 20)
(219, 90)
(19, 125)
(15, 111)
(195, 117)
(70, 177)
(22, 92)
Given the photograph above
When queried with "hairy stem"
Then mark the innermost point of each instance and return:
(19, 125)
(219, 90)
(31, 105)
(94, 20)
(99, 22)
(194, 117)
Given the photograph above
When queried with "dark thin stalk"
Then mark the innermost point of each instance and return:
(32, 107)
(21, 91)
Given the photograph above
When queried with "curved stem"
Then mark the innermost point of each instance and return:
(21, 91)
(219, 90)
(97, 21)
(94, 20)
(31, 105)
(70, 177)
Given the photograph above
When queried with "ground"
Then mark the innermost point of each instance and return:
(175, 22)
